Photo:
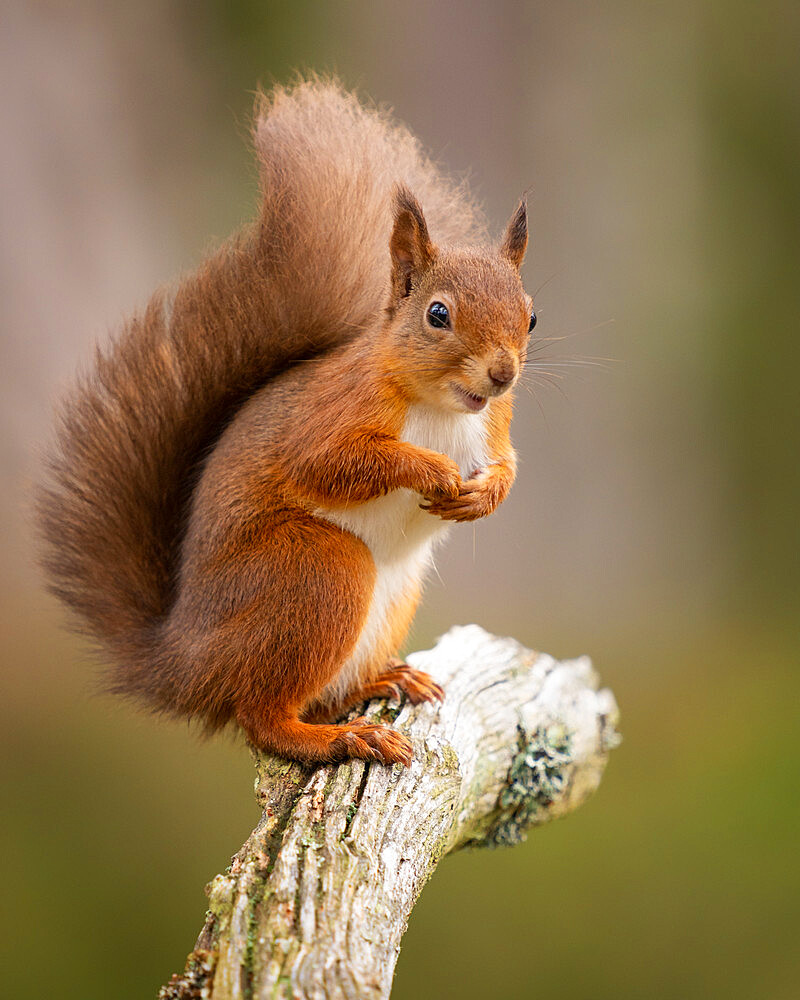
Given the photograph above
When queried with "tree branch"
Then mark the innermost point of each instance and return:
(317, 900)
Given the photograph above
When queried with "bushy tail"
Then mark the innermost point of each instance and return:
(310, 273)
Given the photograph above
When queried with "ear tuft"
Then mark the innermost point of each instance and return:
(410, 245)
(515, 241)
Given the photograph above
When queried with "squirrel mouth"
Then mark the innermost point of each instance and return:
(471, 401)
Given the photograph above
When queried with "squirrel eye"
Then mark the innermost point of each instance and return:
(533, 322)
(438, 315)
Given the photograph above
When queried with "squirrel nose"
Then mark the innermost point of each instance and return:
(501, 375)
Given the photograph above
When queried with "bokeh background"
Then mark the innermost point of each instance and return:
(654, 524)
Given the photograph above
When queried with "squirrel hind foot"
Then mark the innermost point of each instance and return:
(417, 686)
(328, 744)
(367, 741)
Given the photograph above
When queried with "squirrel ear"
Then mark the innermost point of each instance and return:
(410, 245)
(515, 241)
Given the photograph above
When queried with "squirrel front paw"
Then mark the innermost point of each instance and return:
(476, 498)
(440, 479)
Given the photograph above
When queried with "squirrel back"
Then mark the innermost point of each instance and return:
(309, 274)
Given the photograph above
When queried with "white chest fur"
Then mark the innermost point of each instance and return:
(462, 436)
(393, 527)
(399, 535)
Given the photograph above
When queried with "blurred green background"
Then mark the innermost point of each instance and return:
(654, 524)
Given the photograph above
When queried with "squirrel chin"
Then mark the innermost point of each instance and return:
(473, 403)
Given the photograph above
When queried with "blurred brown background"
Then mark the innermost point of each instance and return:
(654, 524)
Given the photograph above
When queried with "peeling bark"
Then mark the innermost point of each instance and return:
(316, 902)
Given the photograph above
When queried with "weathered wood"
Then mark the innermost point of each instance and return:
(316, 902)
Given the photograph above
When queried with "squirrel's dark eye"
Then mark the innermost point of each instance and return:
(533, 322)
(438, 315)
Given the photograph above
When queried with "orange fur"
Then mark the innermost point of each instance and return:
(234, 509)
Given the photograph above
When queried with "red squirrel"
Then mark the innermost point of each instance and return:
(247, 487)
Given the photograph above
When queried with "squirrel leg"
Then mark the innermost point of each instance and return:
(396, 678)
(292, 642)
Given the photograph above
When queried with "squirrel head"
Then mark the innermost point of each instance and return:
(459, 319)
